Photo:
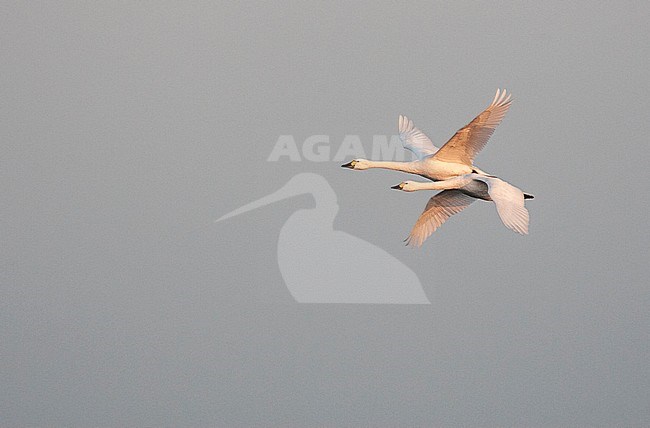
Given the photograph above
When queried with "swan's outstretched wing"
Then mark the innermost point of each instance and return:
(468, 141)
(510, 203)
(414, 140)
(439, 208)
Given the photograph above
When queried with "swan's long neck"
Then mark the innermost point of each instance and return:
(452, 183)
(434, 185)
(410, 167)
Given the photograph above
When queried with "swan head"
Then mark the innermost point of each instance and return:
(358, 164)
(406, 186)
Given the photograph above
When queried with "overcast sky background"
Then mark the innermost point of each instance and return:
(127, 125)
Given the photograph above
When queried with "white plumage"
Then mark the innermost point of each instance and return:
(455, 157)
(458, 193)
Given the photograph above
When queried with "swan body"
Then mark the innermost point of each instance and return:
(458, 193)
(455, 157)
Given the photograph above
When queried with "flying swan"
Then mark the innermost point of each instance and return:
(458, 193)
(456, 157)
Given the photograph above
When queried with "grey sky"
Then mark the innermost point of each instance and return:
(126, 126)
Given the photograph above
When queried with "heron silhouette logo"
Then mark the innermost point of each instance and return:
(333, 266)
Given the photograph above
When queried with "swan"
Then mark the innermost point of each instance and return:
(452, 159)
(458, 193)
